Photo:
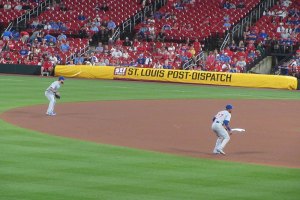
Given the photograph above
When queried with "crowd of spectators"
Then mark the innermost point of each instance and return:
(292, 67)
(38, 48)
(278, 30)
(47, 43)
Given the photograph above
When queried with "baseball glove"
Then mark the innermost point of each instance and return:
(57, 95)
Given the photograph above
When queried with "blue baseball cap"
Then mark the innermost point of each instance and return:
(229, 107)
(61, 78)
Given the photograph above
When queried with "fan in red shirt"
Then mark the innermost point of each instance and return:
(47, 66)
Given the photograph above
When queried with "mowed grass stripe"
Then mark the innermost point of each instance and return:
(38, 166)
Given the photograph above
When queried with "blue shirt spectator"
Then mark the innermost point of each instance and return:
(7, 35)
(64, 47)
(141, 60)
(62, 37)
(81, 17)
(95, 29)
(47, 37)
(111, 25)
(54, 26)
(78, 60)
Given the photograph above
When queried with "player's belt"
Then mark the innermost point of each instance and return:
(217, 122)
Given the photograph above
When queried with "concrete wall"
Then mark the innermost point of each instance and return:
(263, 67)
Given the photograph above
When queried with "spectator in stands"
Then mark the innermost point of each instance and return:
(240, 4)
(7, 35)
(93, 59)
(94, 28)
(227, 25)
(47, 26)
(280, 28)
(18, 6)
(24, 36)
(152, 33)
(7, 5)
(262, 35)
(65, 47)
(140, 60)
(102, 62)
(286, 3)
(81, 17)
(116, 53)
(157, 15)
(179, 5)
(51, 42)
(226, 5)
(233, 47)
(99, 48)
(111, 26)
(83, 32)
(241, 64)
(161, 36)
(62, 37)
(104, 7)
(167, 65)
(127, 42)
(125, 54)
(78, 60)
(47, 66)
(53, 59)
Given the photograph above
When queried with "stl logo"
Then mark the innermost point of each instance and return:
(120, 71)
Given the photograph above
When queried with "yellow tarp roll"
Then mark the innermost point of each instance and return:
(179, 76)
(85, 71)
(210, 78)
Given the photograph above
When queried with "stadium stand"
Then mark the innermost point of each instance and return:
(170, 36)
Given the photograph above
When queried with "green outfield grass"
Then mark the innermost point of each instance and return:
(35, 166)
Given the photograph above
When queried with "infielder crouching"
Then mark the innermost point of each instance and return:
(50, 93)
(221, 127)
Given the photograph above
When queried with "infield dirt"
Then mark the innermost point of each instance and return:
(179, 127)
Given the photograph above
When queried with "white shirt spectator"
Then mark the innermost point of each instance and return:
(125, 55)
(116, 54)
(18, 7)
(47, 27)
(7, 6)
(286, 3)
(53, 59)
(148, 60)
(280, 29)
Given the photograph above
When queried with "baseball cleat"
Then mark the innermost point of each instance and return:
(221, 151)
(51, 114)
(216, 152)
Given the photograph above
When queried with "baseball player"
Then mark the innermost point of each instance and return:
(221, 127)
(51, 93)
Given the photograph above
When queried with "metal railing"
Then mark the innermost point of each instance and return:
(35, 11)
(8, 28)
(193, 61)
(116, 34)
(140, 16)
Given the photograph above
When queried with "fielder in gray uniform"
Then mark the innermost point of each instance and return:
(50, 94)
(221, 127)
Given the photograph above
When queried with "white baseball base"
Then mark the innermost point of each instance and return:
(241, 130)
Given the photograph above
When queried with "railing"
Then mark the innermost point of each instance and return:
(140, 16)
(8, 28)
(193, 61)
(80, 52)
(35, 11)
(253, 16)
(116, 34)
